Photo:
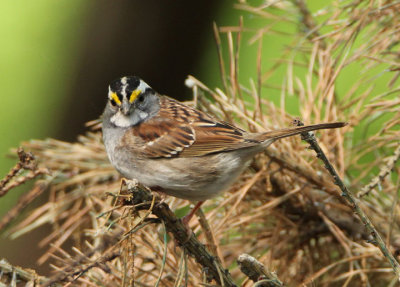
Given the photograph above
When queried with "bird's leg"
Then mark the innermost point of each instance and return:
(121, 195)
(186, 219)
(122, 182)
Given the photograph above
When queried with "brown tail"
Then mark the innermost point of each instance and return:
(278, 134)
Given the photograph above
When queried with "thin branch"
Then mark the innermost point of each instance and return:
(377, 239)
(26, 162)
(385, 171)
(21, 180)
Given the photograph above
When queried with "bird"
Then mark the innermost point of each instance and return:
(176, 149)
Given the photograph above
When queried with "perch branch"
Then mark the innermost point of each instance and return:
(377, 239)
(257, 272)
(211, 265)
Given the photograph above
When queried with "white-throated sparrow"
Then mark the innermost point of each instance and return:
(177, 149)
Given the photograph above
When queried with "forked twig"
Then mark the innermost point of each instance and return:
(26, 162)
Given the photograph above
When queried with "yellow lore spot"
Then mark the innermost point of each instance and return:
(114, 97)
(134, 95)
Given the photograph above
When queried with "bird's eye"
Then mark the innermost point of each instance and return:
(141, 98)
(114, 99)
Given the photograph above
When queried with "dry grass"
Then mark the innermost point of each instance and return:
(285, 210)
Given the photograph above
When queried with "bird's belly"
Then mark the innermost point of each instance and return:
(196, 178)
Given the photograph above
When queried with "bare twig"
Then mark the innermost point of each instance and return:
(311, 140)
(26, 162)
(257, 272)
(19, 181)
(385, 171)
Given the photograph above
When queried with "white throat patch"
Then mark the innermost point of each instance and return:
(123, 121)
(120, 120)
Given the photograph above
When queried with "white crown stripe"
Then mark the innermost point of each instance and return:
(142, 86)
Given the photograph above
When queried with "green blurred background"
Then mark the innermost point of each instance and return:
(57, 58)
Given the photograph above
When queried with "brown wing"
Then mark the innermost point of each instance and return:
(215, 137)
(179, 130)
